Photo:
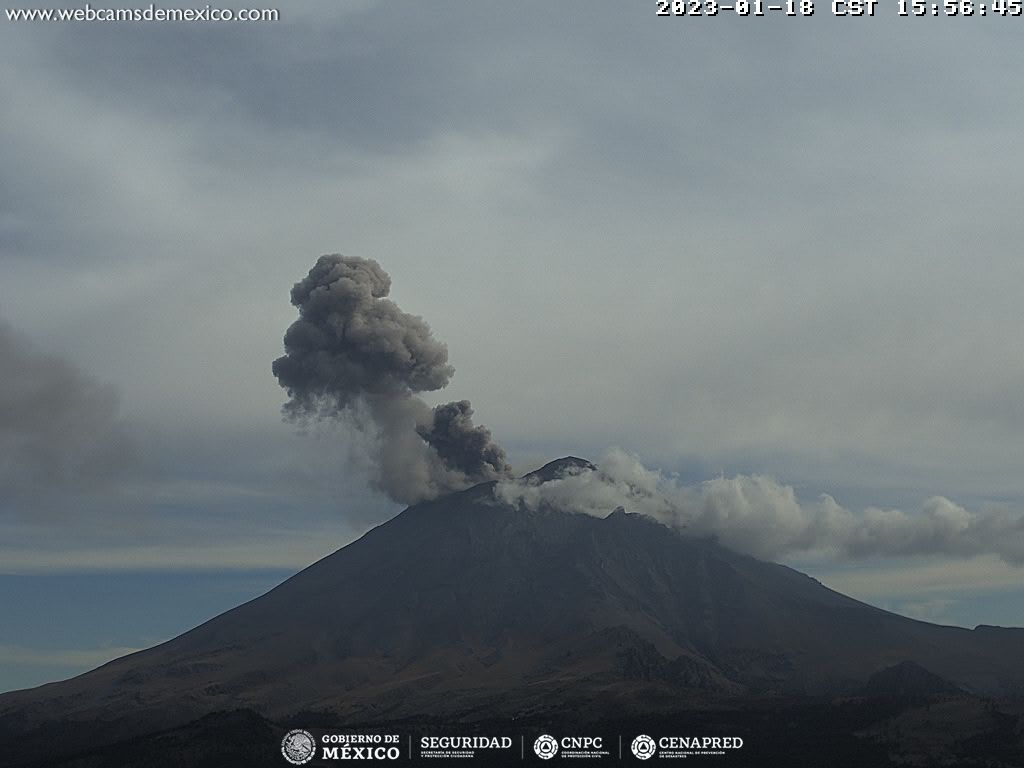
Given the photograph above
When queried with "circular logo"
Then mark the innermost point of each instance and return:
(298, 746)
(644, 747)
(545, 746)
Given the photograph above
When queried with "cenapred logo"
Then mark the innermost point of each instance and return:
(643, 747)
(545, 746)
(298, 746)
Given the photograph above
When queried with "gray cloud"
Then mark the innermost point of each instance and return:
(59, 429)
(354, 355)
(758, 515)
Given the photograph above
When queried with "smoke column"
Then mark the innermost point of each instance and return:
(355, 357)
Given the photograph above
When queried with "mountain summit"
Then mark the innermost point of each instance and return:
(466, 606)
(559, 468)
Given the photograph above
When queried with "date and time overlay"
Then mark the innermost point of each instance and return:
(839, 7)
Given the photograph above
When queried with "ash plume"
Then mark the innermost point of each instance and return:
(355, 357)
(460, 444)
(762, 517)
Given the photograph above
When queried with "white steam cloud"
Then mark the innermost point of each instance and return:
(761, 517)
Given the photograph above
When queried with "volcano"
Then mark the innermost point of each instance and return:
(466, 607)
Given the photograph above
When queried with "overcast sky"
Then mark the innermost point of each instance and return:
(774, 245)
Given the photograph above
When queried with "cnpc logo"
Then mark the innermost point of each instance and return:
(547, 746)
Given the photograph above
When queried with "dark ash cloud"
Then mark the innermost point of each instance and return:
(350, 341)
(354, 356)
(468, 448)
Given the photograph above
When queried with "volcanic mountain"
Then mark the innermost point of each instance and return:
(467, 607)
